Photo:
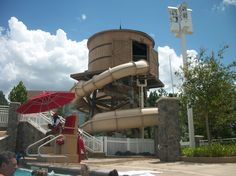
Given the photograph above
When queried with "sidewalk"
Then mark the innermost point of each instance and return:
(165, 169)
(149, 166)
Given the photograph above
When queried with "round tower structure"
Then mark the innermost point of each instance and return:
(114, 47)
(113, 80)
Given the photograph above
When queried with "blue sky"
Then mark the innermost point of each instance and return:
(63, 26)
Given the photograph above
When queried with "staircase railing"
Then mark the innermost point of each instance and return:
(35, 144)
(38, 120)
(39, 152)
(92, 144)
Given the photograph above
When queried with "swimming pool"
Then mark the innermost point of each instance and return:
(21, 172)
(27, 172)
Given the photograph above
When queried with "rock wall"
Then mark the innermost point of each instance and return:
(19, 134)
(27, 134)
(3, 143)
(13, 121)
(168, 131)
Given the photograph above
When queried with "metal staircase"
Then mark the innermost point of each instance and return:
(40, 121)
(92, 144)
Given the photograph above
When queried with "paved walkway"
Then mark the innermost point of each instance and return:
(164, 169)
(102, 166)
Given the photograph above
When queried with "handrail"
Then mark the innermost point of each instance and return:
(62, 119)
(39, 120)
(37, 142)
(39, 148)
(92, 144)
(84, 133)
(4, 106)
(53, 139)
(48, 155)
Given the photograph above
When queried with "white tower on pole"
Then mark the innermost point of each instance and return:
(181, 24)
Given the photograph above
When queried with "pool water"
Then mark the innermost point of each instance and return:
(21, 172)
(27, 172)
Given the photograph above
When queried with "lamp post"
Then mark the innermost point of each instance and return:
(181, 24)
(171, 77)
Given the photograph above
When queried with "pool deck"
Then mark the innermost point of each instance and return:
(102, 166)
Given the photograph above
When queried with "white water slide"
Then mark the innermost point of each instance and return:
(120, 119)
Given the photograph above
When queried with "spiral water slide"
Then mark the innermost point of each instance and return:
(119, 119)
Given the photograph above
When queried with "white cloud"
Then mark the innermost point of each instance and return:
(222, 5)
(218, 7)
(44, 61)
(83, 17)
(41, 60)
(229, 2)
(167, 58)
(169, 62)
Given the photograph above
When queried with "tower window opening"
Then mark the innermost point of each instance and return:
(139, 51)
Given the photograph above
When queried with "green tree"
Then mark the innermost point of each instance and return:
(18, 93)
(154, 95)
(210, 89)
(3, 100)
(152, 98)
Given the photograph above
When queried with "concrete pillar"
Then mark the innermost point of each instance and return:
(168, 135)
(13, 121)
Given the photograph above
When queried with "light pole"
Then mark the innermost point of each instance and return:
(171, 77)
(181, 24)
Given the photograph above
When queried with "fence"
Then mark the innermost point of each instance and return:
(92, 143)
(133, 145)
(4, 113)
(112, 145)
(223, 141)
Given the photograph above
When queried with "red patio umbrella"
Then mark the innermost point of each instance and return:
(46, 101)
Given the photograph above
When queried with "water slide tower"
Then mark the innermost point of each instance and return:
(114, 49)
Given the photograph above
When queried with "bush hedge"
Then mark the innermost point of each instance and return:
(129, 153)
(213, 150)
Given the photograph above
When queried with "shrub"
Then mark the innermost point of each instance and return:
(129, 153)
(213, 150)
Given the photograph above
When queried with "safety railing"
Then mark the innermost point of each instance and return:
(39, 120)
(4, 113)
(40, 153)
(35, 144)
(51, 155)
(222, 141)
(92, 144)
